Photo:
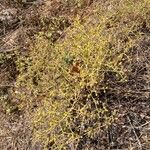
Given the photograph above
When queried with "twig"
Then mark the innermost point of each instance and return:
(2, 6)
(144, 124)
(9, 50)
(3, 86)
(133, 128)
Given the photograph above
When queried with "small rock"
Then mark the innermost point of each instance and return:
(8, 16)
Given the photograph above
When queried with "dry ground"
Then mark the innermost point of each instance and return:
(19, 22)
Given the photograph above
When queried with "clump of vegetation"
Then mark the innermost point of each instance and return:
(8, 74)
(75, 3)
(64, 79)
(52, 28)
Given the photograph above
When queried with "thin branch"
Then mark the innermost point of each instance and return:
(133, 128)
(141, 126)
(6, 85)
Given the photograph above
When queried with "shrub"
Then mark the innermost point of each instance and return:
(63, 80)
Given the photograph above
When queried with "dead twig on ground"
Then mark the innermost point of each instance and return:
(133, 128)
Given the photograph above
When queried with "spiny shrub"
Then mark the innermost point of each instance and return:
(63, 79)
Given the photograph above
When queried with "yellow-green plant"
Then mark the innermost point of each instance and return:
(63, 79)
(74, 3)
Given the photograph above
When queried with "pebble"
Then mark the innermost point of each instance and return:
(8, 16)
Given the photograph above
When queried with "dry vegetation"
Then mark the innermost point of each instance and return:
(75, 75)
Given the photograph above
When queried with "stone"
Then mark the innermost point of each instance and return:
(8, 16)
